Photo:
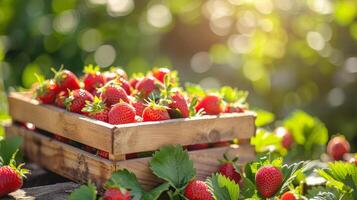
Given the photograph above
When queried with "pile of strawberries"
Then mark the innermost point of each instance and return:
(112, 97)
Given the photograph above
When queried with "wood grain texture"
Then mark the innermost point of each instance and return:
(207, 129)
(63, 159)
(80, 166)
(58, 121)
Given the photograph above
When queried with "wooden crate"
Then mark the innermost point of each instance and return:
(119, 140)
(81, 166)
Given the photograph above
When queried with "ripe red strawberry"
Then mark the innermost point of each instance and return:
(96, 109)
(179, 102)
(337, 147)
(268, 180)
(93, 79)
(145, 86)
(121, 113)
(46, 92)
(60, 99)
(155, 112)
(125, 85)
(139, 107)
(211, 105)
(113, 93)
(197, 190)
(159, 73)
(76, 100)
(66, 80)
(227, 169)
(103, 154)
(116, 194)
(11, 178)
(287, 137)
(288, 196)
(233, 109)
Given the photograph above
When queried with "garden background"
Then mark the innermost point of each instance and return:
(288, 53)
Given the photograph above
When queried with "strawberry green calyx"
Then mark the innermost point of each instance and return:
(18, 168)
(91, 69)
(94, 107)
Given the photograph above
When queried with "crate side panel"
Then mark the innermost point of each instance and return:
(151, 136)
(58, 121)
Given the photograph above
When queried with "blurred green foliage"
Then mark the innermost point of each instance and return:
(287, 53)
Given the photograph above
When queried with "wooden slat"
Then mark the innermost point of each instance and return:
(63, 159)
(205, 162)
(81, 166)
(58, 121)
(149, 136)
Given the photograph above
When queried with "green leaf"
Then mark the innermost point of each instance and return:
(265, 141)
(156, 192)
(222, 188)
(233, 95)
(194, 90)
(324, 193)
(172, 164)
(125, 179)
(8, 147)
(290, 173)
(85, 192)
(263, 117)
(249, 189)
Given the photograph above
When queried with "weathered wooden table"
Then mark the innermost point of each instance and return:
(43, 185)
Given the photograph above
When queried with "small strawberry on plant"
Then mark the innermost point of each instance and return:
(287, 138)
(11, 177)
(288, 196)
(77, 99)
(116, 194)
(66, 80)
(337, 147)
(93, 78)
(60, 99)
(46, 91)
(229, 169)
(112, 93)
(197, 190)
(268, 180)
(96, 109)
(121, 113)
(155, 112)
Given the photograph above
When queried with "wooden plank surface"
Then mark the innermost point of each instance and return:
(63, 159)
(59, 191)
(58, 121)
(149, 136)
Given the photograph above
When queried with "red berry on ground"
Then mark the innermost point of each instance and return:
(66, 80)
(121, 113)
(155, 112)
(93, 79)
(116, 194)
(46, 92)
(337, 147)
(287, 138)
(160, 73)
(77, 99)
(268, 180)
(288, 196)
(211, 105)
(113, 93)
(10, 179)
(197, 190)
